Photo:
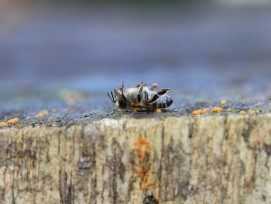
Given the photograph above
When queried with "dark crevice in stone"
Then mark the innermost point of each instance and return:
(246, 131)
(68, 189)
(161, 161)
(91, 154)
(226, 128)
(113, 171)
(191, 128)
(267, 149)
(60, 187)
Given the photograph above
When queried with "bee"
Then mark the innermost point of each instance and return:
(141, 97)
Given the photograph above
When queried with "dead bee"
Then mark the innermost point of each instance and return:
(141, 97)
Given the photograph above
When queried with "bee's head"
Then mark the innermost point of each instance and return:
(121, 101)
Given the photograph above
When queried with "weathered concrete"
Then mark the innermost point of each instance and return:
(201, 159)
(70, 146)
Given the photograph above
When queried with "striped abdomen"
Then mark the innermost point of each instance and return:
(164, 103)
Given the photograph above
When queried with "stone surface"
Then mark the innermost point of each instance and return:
(71, 146)
(200, 159)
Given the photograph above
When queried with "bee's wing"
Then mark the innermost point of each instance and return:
(163, 91)
(154, 98)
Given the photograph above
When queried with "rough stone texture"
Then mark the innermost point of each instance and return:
(58, 61)
(202, 159)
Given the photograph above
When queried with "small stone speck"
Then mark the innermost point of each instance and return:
(3, 124)
(243, 112)
(197, 112)
(217, 109)
(158, 111)
(223, 102)
(13, 120)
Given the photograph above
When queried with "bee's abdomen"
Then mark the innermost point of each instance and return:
(154, 105)
(164, 104)
(169, 102)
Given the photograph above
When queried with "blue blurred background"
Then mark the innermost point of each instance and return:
(214, 48)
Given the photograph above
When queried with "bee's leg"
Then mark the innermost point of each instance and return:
(119, 95)
(163, 91)
(137, 86)
(122, 101)
(113, 97)
(154, 86)
(122, 89)
(154, 98)
(141, 87)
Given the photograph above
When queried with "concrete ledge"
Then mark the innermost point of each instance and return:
(202, 159)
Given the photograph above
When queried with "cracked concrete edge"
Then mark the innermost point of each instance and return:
(214, 159)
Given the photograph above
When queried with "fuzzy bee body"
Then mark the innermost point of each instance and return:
(141, 97)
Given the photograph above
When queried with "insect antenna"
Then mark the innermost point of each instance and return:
(111, 97)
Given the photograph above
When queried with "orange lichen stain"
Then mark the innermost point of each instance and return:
(217, 109)
(149, 184)
(197, 112)
(158, 110)
(133, 130)
(3, 124)
(152, 130)
(140, 171)
(259, 142)
(229, 109)
(254, 112)
(242, 112)
(13, 120)
(145, 181)
(141, 142)
(205, 110)
(42, 114)
(223, 102)
(142, 162)
(142, 147)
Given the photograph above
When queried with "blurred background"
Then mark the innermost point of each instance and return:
(203, 49)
